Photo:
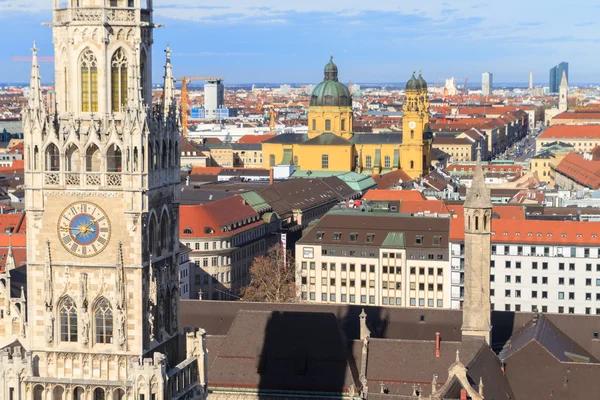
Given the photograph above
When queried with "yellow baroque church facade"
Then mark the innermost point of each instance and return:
(330, 144)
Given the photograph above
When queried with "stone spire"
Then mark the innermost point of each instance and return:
(35, 85)
(120, 279)
(169, 85)
(135, 87)
(10, 258)
(563, 101)
(478, 195)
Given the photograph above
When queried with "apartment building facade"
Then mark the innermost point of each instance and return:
(374, 258)
(225, 237)
(548, 266)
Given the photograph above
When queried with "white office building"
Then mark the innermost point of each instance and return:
(551, 266)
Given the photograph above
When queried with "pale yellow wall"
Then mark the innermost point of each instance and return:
(459, 152)
(368, 150)
(276, 149)
(335, 114)
(310, 157)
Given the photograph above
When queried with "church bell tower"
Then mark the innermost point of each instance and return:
(102, 210)
(415, 156)
(478, 235)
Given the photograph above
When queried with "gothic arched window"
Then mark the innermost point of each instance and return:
(89, 81)
(99, 394)
(104, 322)
(143, 63)
(52, 158)
(165, 234)
(72, 158)
(68, 320)
(118, 76)
(114, 159)
(92, 159)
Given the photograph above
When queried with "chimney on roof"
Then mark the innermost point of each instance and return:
(437, 344)
(463, 394)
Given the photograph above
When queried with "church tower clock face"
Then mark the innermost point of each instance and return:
(84, 229)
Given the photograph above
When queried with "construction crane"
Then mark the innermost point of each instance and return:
(185, 97)
(461, 98)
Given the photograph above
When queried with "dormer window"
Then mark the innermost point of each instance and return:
(337, 236)
(188, 231)
(320, 235)
(208, 230)
(370, 237)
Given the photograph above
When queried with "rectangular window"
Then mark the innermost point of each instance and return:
(419, 239)
(324, 296)
(353, 237)
(325, 161)
(352, 298)
(363, 299)
(561, 295)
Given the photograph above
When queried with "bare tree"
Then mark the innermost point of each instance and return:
(271, 280)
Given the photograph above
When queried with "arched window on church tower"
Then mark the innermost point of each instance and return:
(92, 159)
(89, 81)
(152, 236)
(114, 159)
(164, 155)
(68, 320)
(52, 158)
(118, 76)
(143, 63)
(103, 317)
(72, 158)
(165, 233)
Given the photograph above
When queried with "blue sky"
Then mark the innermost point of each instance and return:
(381, 41)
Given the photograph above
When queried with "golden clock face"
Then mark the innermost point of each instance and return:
(84, 229)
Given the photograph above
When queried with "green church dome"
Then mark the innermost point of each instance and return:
(422, 82)
(331, 92)
(413, 83)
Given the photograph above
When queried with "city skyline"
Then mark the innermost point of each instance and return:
(383, 42)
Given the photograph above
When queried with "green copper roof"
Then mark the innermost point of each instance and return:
(413, 83)
(422, 83)
(394, 240)
(255, 201)
(331, 92)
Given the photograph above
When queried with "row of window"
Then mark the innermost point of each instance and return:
(544, 309)
(534, 279)
(535, 265)
(119, 80)
(328, 125)
(533, 251)
(363, 299)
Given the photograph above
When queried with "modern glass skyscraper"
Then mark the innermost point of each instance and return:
(556, 75)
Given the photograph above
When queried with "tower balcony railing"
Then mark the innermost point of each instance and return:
(108, 15)
(51, 178)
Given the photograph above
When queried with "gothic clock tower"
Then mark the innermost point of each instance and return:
(102, 211)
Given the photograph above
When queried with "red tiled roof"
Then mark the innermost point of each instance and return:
(208, 220)
(502, 212)
(391, 179)
(14, 221)
(571, 132)
(536, 232)
(254, 139)
(205, 170)
(578, 115)
(394, 195)
(583, 171)
(432, 206)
